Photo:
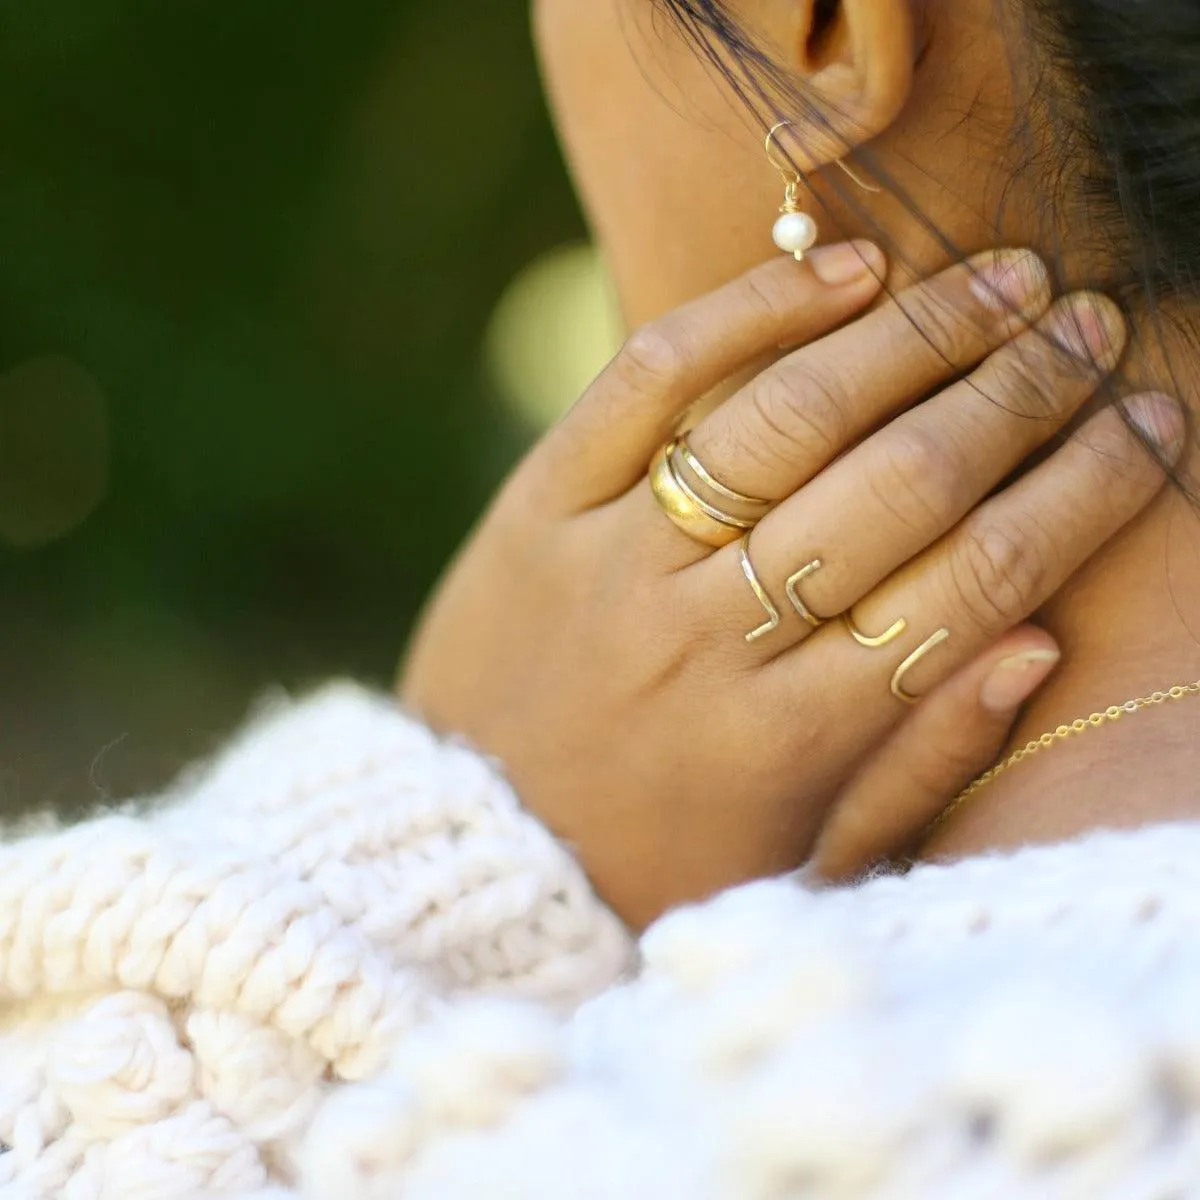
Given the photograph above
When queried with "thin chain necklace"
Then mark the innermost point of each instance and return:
(1063, 733)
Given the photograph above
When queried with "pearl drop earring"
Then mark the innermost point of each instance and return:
(795, 231)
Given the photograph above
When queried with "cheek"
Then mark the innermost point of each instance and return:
(670, 170)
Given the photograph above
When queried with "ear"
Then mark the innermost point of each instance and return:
(858, 57)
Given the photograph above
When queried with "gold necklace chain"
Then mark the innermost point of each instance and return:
(1062, 733)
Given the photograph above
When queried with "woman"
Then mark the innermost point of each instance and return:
(344, 961)
(683, 200)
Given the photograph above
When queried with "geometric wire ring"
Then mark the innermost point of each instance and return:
(793, 594)
(930, 644)
(873, 643)
(772, 621)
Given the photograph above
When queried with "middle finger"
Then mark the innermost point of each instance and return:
(795, 418)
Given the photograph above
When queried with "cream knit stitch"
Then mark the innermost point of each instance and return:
(342, 963)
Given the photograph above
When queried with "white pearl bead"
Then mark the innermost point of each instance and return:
(794, 233)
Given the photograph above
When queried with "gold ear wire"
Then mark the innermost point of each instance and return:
(791, 175)
(786, 170)
(866, 187)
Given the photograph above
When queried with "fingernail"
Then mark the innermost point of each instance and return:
(1013, 680)
(1160, 420)
(846, 262)
(1092, 327)
(1011, 279)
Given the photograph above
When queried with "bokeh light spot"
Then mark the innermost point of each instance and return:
(54, 450)
(552, 331)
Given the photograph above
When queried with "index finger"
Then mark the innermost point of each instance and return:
(604, 445)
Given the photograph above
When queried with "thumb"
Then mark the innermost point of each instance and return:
(953, 736)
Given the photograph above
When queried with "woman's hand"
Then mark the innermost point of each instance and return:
(602, 655)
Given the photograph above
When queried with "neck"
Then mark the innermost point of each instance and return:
(1128, 625)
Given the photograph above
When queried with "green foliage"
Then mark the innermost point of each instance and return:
(268, 236)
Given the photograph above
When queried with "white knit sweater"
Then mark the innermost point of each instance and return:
(342, 964)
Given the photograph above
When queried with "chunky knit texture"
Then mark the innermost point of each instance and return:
(342, 964)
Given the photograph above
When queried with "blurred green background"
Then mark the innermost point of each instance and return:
(250, 254)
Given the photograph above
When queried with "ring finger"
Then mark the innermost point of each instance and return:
(1000, 564)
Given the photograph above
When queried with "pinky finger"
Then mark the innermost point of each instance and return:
(955, 734)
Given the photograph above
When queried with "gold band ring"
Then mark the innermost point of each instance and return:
(911, 661)
(773, 619)
(689, 512)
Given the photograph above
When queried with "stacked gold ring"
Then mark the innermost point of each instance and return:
(701, 520)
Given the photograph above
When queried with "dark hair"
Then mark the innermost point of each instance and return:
(1109, 92)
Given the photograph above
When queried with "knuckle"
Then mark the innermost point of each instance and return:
(954, 757)
(769, 295)
(951, 331)
(917, 479)
(941, 764)
(1028, 381)
(1113, 474)
(799, 414)
(997, 574)
(653, 357)
(1116, 471)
